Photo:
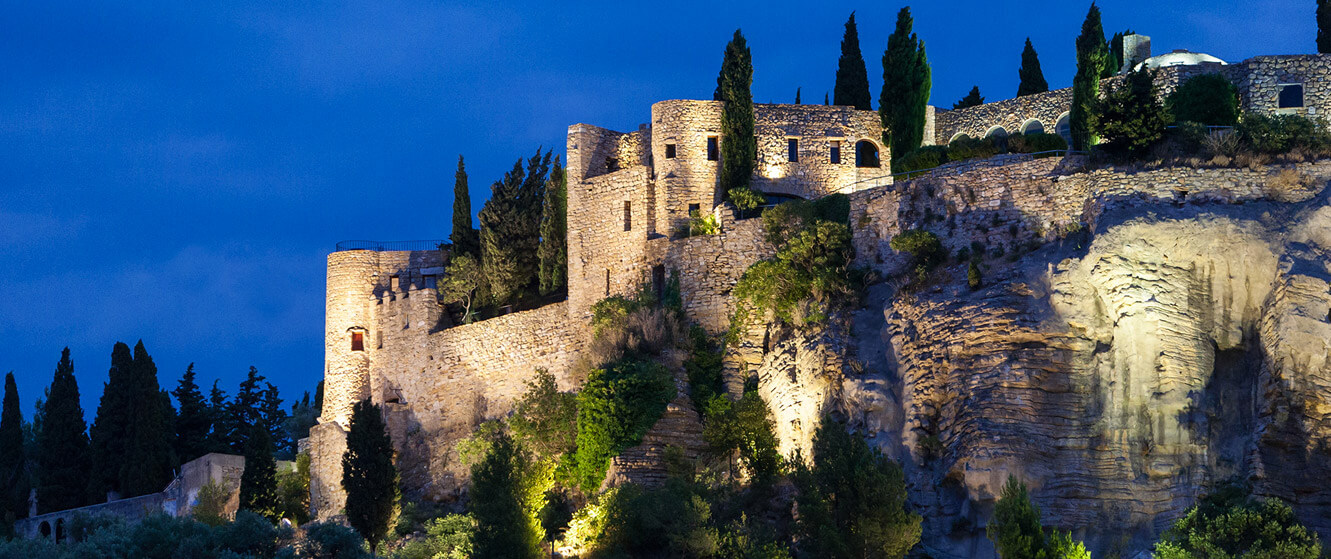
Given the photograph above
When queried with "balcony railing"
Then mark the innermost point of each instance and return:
(385, 246)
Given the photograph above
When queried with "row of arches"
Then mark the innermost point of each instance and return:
(1062, 127)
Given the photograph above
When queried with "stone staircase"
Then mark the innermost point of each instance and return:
(680, 426)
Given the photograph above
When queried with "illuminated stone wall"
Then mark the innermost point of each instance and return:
(1014, 115)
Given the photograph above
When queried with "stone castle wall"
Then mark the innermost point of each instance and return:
(1013, 115)
(708, 267)
(608, 228)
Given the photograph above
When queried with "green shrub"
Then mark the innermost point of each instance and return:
(966, 147)
(632, 521)
(1129, 116)
(327, 540)
(745, 198)
(700, 224)
(973, 278)
(784, 221)
(1036, 143)
(449, 537)
(745, 426)
(703, 367)
(616, 407)
(923, 246)
(920, 159)
(1209, 99)
(1238, 527)
(1282, 133)
(613, 311)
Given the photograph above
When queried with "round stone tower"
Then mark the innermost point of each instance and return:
(348, 325)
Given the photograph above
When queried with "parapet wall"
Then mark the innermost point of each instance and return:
(1013, 115)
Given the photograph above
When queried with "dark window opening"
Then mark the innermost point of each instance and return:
(693, 209)
(60, 531)
(45, 529)
(607, 282)
(628, 215)
(670, 151)
(357, 341)
(1291, 96)
(393, 283)
(713, 153)
(792, 150)
(659, 281)
(866, 154)
(1035, 127)
(836, 151)
(611, 164)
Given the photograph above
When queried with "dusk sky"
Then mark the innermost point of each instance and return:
(178, 172)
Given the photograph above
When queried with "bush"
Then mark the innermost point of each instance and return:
(700, 224)
(616, 407)
(1209, 99)
(703, 367)
(1230, 524)
(544, 419)
(1282, 133)
(1129, 116)
(1036, 143)
(922, 158)
(973, 278)
(211, 504)
(632, 521)
(331, 541)
(783, 221)
(449, 537)
(924, 247)
(745, 426)
(966, 147)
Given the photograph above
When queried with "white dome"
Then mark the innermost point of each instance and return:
(1180, 58)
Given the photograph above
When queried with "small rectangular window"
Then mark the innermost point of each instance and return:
(670, 151)
(713, 153)
(628, 215)
(611, 164)
(693, 209)
(393, 283)
(1291, 96)
(792, 150)
(836, 151)
(358, 341)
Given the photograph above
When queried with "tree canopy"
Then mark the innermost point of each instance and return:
(972, 99)
(1091, 56)
(906, 85)
(852, 77)
(1032, 77)
(739, 147)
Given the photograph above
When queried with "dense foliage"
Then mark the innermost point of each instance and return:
(132, 435)
(1229, 523)
(510, 230)
(739, 147)
(616, 406)
(193, 420)
(544, 419)
(852, 500)
(465, 239)
(1130, 116)
(507, 495)
(924, 248)
(463, 284)
(1092, 56)
(61, 463)
(972, 99)
(1283, 133)
(744, 429)
(1207, 99)
(1017, 533)
(553, 265)
(258, 482)
(166, 537)
(449, 537)
(906, 85)
(1030, 74)
(14, 482)
(368, 474)
(852, 77)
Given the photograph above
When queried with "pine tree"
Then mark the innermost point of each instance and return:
(498, 497)
(193, 423)
(739, 147)
(1015, 528)
(511, 228)
(13, 462)
(1324, 26)
(368, 474)
(221, 421)
(906, 85)
(258, 483)
(61, 462)
(1091, 56)
(244, 411)
(465, 239)
(1032, 77)
(148, 460)
(274, 422)
(110, 432)
(972, 99)
(554, 232)
(852, 77)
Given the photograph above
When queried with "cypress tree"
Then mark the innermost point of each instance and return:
(497, 501)
(258, 483)
(368, 474)
(193, 423)
(1324, 26)
(972, 99)
(1032, 77)
(148, 460)
(218, 415)
(825, 102)
(1091, 55)
(554, 232)
(852, 77)
(111, 428)
(61, 462)
(906, 84)
(13, 462)
(319, 399)
(465, 239)
(739, 147)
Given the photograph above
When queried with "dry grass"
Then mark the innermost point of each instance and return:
(1289, 186)
(646, 331)
(1221, 142)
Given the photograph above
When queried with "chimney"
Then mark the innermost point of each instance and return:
(1136, 49)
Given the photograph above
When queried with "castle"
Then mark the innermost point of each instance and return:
(630, 196)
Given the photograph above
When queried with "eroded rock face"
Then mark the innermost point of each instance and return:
(1119, 383)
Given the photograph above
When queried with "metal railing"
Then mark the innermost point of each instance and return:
(385, 246)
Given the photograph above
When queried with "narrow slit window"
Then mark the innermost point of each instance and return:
(607, 282)
(670, 151)
(358, 341)
(628, 215)
(792, 150)
(1291, 96)
(713, 151)
(836, 151)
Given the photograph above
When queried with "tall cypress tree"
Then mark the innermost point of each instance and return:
(511, 227)
(368, 474)
(906, 85)
(465, 239)
(852, 77)
(243, 412)
(218, 415)
(739, 147)
(258, 483)
(498, 502)
(554, 232)
(110, 432)
(1032, 77)
(1324, 26)
(797, 96)
(13, 463)
(148, 460)
(193, 423)
(61, 462)
(1091, 56)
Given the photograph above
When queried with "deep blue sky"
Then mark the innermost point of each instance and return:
(177, 172)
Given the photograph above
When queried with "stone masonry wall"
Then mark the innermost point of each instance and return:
(814, 128)
(606, 255)
(1014, 115)
(710, 265)
(688, 179)
(1258, 79)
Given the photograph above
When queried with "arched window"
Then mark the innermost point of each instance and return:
(1064, 128)
(958, 136)
(45, 529)
(60, 530)
(1032, 126)
(866, 154)
(996, 132)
